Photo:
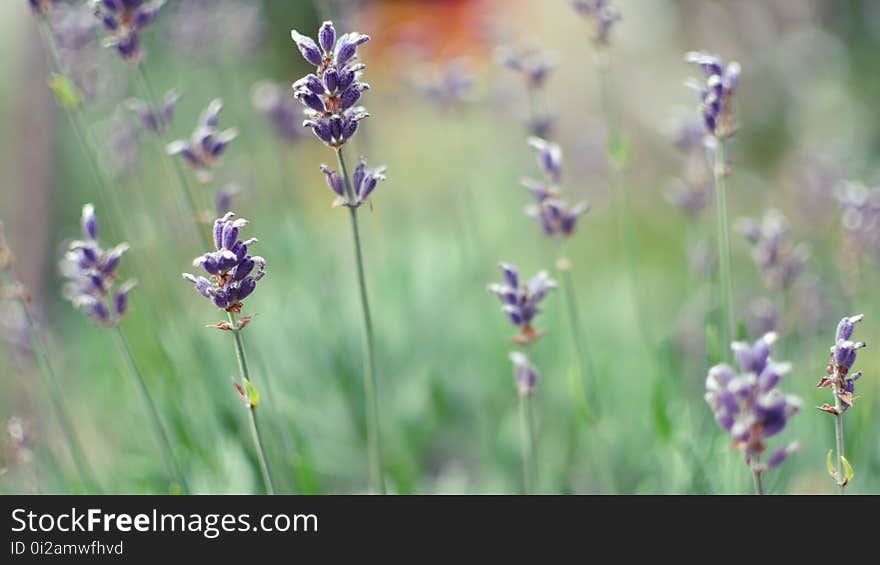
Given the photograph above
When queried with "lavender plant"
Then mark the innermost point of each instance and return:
(232, 277)
(778, 260)
(716, 108)
(526, 380)
(534, 67)
(155, 120)
(843, 388)
(92, 272)
(601, 14)
(749, 406)
(125, 21)
(330, 95)
(206, 144)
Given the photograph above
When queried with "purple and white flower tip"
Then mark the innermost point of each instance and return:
(91, 274)
(207, 144)
(232, 273)
(603, 16)
(779, 262)
(274, 101)
(158, 120)
(556, 216)
(747, 404)
(520, 302)
(125, 22)
(363, 183)
(549, 158)
(524, 373)
(330, 94)
(843, 356)
(716, 92)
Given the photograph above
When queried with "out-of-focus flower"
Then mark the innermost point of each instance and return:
(601, 14)
(447, 85)
(761, 317)
(125, 21)
(842, 359)
(556, 216)
(524, 374)
(520, 301)
(534, 67)
(861, 215)
(716, 92)
(41, 7)
(689, 196)
(363, 183)
(158, 120)
(748, 404)
(215, 30)
(207, 143)
(91, 273)
(331, 93)
(779, 262)
(692, 191)
(232, 273)
(274, 102)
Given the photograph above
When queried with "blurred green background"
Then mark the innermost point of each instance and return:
(450, 210)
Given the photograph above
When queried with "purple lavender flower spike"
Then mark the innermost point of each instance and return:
(232, 273)
(601, 14)
(125, 21)
(206, 144)
(520, 302)
(779, 261)
(363, 180)
(555, 215)
(91, 274)
(748, 405)
(842, 358)
(528, 61)
(524, 373)
(155, 121)
(716, 93)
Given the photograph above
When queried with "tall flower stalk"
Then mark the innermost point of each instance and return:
(330, 95)
(233, 275)
(843, 387)
(91, 273)
(9, 286)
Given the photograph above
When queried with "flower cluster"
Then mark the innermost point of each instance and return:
(275, 102)
(534, 67)
(602, 14)
(556, 216)
(331, 92)
(233, 274)
(363, 180)
(748, 405)
(206, 144)
(861, 215)
(156, 120)
(843, 356)
(524, 374)
(125, 21)
(520, 302)
(716, 93)
(91, 274)
(447, 85)
(779, 262)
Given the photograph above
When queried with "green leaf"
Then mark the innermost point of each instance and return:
(252, 393)
(66, 93)
(659, 401)
(829, 464)
(713, 345)
(848, 472)
(619, 151)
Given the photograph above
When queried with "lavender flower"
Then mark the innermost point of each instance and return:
(779, 262)
(520, 302)
(125, 21)
(843, 356)
(716, 93)
(602, 14)
(232, 273)
(534, 68)
(155, 121)
(446, 85)
(280, 108)
(207, 143)
(331, 93)
(556, 216)
(364, 182)
(41, 7)
(860, 208)
(524, 373)
(748, 405)
(92, 272)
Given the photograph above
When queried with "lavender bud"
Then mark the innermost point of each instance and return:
(525, 375)
(334, 181)
(327, 36)
(89, 222)
(308, 48)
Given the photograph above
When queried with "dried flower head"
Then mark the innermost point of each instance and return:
(207, 143)
(748, 405)
(274, 102)
(556, 216)
(520, 301)
(125, 21)
(843, 356)
(363, 183)
(152, 120)
(91, 273)
(232, 273)
(524, 374)
(716, 93)
(331, 93)
(779, 262)
(602, 15)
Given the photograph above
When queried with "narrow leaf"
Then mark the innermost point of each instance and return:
(252, 393)
(847, 470)
(829, 464)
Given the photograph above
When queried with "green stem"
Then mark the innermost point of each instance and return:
(155, 420)
(759, 483)
(728, 331)
(527, 430)
(584, 359)
(374, 441)
(252, 412)
(838, 436)
(58, 403)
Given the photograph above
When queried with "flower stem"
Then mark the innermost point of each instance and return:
(527, 430)
(374, 441)
(838, 436)
(728, 330)
(759, 483)
(252, 412)
(155, 420)
(58, 403)
(586, 368)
